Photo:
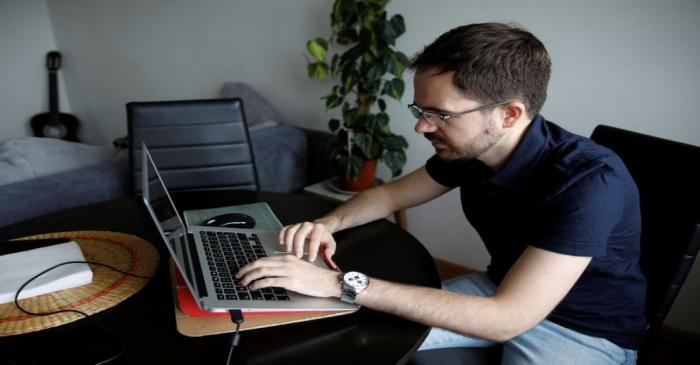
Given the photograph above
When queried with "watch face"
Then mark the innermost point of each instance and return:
(356, 280)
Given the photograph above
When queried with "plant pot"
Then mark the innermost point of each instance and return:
(364, 180)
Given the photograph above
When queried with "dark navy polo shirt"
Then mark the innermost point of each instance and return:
(563, 193)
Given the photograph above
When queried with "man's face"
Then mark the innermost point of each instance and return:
(466, 136)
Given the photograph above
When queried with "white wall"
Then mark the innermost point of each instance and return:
(136, 50)
(25, 38)
(629, 63)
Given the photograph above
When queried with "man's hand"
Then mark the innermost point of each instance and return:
(315, 237)
(292, 273)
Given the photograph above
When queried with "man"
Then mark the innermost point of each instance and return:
(558, 214)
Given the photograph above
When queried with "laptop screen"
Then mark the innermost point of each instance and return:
(165, 215)
(163, 209)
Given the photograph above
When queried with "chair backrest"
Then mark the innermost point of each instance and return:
(197, 144)
(666, 173)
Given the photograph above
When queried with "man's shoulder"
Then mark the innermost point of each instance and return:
(571, 154)
(571, 158)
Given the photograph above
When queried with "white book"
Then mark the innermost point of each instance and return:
(17, 268)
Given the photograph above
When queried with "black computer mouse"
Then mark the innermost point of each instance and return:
(231, 220)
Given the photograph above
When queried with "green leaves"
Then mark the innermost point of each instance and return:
(392, 29)
(343, 12)
(333, 124)
(349, 79)
(394, 88)
(318, 48)
(366, 66)
(381, 104)
(333, 101)
(350, 166)
(397, 64)
(395, 157)
(350, 117)
(398, 24)
(394, 142)
(395, 161)
(318, 70)
(369, 146)
(382, 122)
(387, 32)
(347, 36)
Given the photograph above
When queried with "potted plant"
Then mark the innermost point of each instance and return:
(367, 68)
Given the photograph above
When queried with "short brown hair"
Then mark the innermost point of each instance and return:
(492, 62)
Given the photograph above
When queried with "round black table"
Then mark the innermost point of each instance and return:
(145, 323)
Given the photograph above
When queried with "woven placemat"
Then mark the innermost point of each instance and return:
(108, 288)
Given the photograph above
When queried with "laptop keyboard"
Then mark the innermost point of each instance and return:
(226, 252)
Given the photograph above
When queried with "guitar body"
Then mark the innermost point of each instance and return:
(65, 126)
(54, 124)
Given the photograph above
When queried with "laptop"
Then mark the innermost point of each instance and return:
(209, 257)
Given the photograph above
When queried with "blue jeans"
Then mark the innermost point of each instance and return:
(546, 343)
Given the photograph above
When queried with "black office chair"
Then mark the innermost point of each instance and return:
(196, 144)
(666, 173)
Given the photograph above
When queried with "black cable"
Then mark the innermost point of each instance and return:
(237, 318)
(109, 332)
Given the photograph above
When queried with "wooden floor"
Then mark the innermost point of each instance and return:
(672, 346)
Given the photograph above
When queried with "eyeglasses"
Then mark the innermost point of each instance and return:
(444, 117)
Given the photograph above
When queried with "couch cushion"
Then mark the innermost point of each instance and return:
(280, 154)
(55, 192)
(30, 157)
(255, 107)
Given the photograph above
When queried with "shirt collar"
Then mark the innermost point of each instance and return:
(524, 157)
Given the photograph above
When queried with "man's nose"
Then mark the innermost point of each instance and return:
(424, 126)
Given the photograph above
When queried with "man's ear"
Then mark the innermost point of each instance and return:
(512, 112)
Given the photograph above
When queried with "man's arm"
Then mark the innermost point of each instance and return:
(407, 191)
(533, 287)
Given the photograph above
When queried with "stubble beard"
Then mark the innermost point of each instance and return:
(473, 148)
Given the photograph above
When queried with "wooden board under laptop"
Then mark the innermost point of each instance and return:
(204, 326)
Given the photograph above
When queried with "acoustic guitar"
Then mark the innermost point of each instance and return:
(54, 124)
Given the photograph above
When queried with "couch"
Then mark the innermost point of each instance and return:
(40, 175)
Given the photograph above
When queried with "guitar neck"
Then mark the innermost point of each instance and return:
(53, 94)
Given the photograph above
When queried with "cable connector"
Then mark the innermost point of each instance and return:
(237, 318)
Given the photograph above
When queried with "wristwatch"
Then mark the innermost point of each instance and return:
(352, 284)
